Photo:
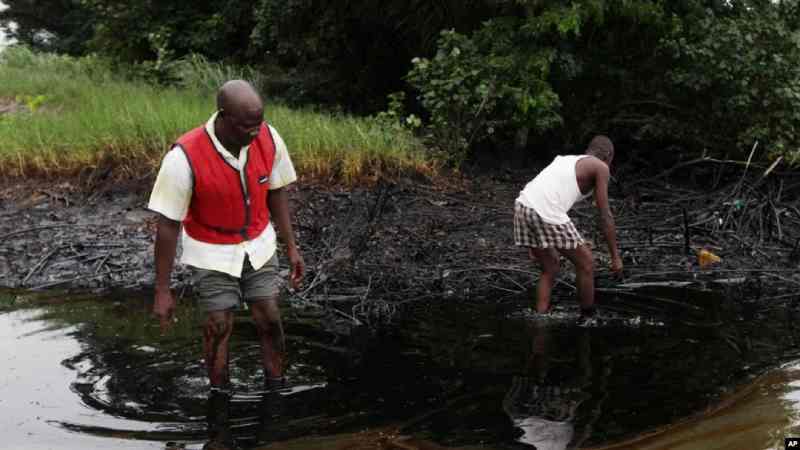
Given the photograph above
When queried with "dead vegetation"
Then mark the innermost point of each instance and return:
(371, 250)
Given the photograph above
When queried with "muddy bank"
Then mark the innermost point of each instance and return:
(370, 249)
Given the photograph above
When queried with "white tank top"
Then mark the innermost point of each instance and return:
(553, 192)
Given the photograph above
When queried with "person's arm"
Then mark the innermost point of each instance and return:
(279, 212)
(170, 198)
(166, 244)
(602, 177)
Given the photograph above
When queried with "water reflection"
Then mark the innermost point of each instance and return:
(544, 402)
(36, 395)
(220, 436)
(444, 374)
(757, 416)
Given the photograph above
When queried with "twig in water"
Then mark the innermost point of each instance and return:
(40, 264)
(29, 230)
(788, 280)
(686, 238)
(352, 318)
(778, 297)
(560, 281)
(521, 287)
(82, 277)
(102, 263)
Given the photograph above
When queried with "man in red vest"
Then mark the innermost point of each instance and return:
(225, 183)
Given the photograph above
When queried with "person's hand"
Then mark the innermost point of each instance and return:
(164, 308)
(616, 266)
(298, 268)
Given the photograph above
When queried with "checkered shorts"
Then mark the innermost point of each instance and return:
(531, 231)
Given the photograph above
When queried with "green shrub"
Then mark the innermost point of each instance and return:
(741, 78)
(485, 87)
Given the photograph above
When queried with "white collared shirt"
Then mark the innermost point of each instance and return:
(172, 194)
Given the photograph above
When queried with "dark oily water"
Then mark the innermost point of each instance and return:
(36, 390)
(663, 368)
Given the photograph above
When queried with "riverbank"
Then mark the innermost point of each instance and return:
(409, 239)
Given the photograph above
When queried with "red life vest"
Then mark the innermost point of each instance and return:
(220, 211)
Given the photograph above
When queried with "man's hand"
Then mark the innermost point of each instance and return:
(298, 268)
(616, 265)
(278, 204)
(166, 242)
(164, 308)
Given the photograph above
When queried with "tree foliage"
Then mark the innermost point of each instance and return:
(474, 87)
(702, 75)
(157, 30)
(133, 31)
(740, 79)
(710, 76)
(354, 52)
(542, 66)
(62, 26)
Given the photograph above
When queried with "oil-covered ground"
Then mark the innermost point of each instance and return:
(369, 249)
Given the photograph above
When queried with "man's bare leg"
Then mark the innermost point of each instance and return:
(581, 257)
(548, 258)
(267, 317)
(216, 334)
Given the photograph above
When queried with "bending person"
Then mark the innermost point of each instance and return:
(541, 222)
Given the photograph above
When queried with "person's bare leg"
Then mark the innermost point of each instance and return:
(548, 258)
(267, 317)
(581, 257)
(216, 334)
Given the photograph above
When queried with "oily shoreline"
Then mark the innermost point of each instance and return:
(402, 240)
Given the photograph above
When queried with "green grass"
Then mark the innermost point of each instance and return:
(77, 113)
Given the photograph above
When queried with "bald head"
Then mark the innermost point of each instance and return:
(602, 148)
(241, 113)
(238, 96)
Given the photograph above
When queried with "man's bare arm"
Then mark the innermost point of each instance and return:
(602, 177)
(278, 203)
(165, 248)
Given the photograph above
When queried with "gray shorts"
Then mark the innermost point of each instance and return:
(218, 291)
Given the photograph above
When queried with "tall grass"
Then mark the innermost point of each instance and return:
(69, 114)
